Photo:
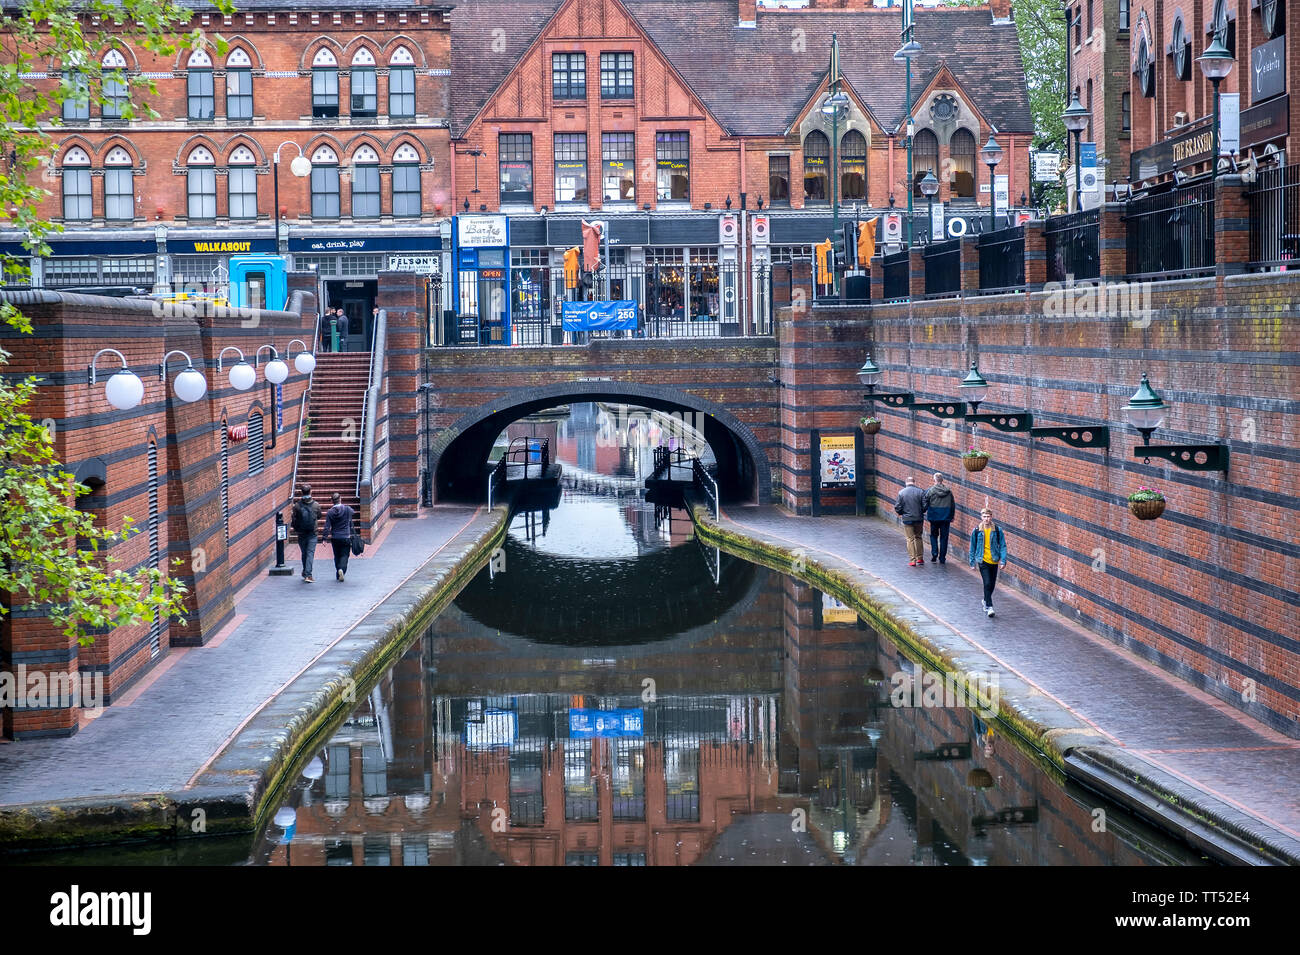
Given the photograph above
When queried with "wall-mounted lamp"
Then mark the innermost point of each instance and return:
(190, 385)
(304, 361)
(869, 374)
(1146, 412)
(276, 370)
(124, 389)
(977, 389)
(242, 375)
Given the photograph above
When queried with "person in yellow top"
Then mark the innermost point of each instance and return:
(989, 545)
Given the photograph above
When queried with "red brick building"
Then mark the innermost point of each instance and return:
(1098, 49)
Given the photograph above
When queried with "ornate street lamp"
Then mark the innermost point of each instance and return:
(1076, 118)
(300, 166)
(904, 54)
(1215, 63)
(992, 155)
(1146, 412)
(869, 374)
(929, 186)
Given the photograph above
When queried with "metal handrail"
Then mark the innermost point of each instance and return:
(709, 489)
(306, 395)
(366, 453)
(495, 477)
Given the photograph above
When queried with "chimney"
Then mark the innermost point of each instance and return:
(1001, 9)
(748, 13)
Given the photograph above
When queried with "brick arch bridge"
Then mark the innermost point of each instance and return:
(477, 392)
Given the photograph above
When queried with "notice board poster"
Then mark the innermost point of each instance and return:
(837, 461)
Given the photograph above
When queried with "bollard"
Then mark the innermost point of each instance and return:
(281, 535)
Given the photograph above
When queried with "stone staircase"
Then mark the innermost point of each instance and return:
(328, 457)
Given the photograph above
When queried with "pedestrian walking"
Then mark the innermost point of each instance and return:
(338, 528)
(911, 508)
(988, 546)
(306, 515)
(939, 508)
(343, 330)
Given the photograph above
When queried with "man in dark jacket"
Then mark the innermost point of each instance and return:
(343, 330)
(911, 508)
(306, 515)
(338, 528)
(939, 509)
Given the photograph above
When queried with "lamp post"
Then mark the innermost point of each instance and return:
(929, 186)
(1215, 63)
(909, 49)
(1076, 118)
(992, 155)
(300, 166)
(833, 106)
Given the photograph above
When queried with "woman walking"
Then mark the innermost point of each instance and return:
(338, 528)
(988, 545)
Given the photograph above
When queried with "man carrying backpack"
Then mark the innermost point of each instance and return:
(939, 508)
(338, 528)
(306, 515)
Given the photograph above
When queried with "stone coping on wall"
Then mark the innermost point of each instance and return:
(1057, 739)
(239, 790)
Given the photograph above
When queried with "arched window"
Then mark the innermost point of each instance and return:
(1144, 67)
(401, 83)
(241, 184)
(324, 184)
(75, 90)
(324, 84)
(201, 183)
(365, 184)
(114, 84)
(816, 163)
(119, 186)
(239, 85)
(365, 88)
(200, 93)
(853, 166)
(76, 185)
(407, 189)
(961, 149)
(925, 158)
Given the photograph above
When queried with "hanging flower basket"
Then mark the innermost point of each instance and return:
(973, 459)
(1146, 503)
(869, 425)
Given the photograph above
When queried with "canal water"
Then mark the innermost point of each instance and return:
(611, 692)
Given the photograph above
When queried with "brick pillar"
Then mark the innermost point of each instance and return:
(917, 269)
(877, 266)
(1231, 226)
(1035, 254)
(1112, 239)
(970, 264)
(402, 296)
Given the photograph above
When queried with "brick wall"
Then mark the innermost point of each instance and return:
(218, 551)
(1207, 591)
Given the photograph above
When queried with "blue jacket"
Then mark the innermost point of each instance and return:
(999, 543)
(933, 512)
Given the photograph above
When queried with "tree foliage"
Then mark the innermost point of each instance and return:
(50, 551)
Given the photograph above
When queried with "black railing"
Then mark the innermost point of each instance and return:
(1171, 234)
(665, 457)
(898, 276)
(1275, 219)
(1073, 246)
(496, 478)
(943, 267)
(1002, 259)
(705, 486)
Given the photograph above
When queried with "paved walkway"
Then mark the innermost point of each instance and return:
(167, 730)
(1198, 739)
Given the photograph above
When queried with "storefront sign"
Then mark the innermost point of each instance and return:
(237, 432)
(589, 724)
(598, 316)
(1186, 149)
(482, 231)
(421, 264)
(365, 243)
(1268, 69)
(1229, 124)
(491, 273)
(837, 461)
(1265, 122)
(1047, 167)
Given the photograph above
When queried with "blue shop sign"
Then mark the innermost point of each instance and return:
(106, 246)
(387, 243)
(590, 724)
(598, 316)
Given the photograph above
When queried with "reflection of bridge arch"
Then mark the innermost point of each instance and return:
(460, 451)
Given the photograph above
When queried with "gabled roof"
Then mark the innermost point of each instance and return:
(757, 80)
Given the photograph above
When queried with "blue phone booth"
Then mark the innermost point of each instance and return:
(258, 281)
(482, 253)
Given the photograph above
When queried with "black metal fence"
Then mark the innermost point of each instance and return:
(1002, 259)
(1275, 219)
(897, 279)
(943, 268)
(1171, 234)
(1073, 246)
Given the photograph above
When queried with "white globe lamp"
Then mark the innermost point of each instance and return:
(190, 385)
(276, 371)
(242, 376)
(305, 362)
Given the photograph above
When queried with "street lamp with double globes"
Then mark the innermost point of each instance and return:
(1076, 118)
(1216, 63)
(992, 155)
(929, 186)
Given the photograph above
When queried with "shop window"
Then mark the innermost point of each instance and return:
(618, 153)
(853, 166)
(961, 148)
(925, 158)
(515, 151)
(816, 166)
(570, 167)
(673, 161)
(778, 180)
